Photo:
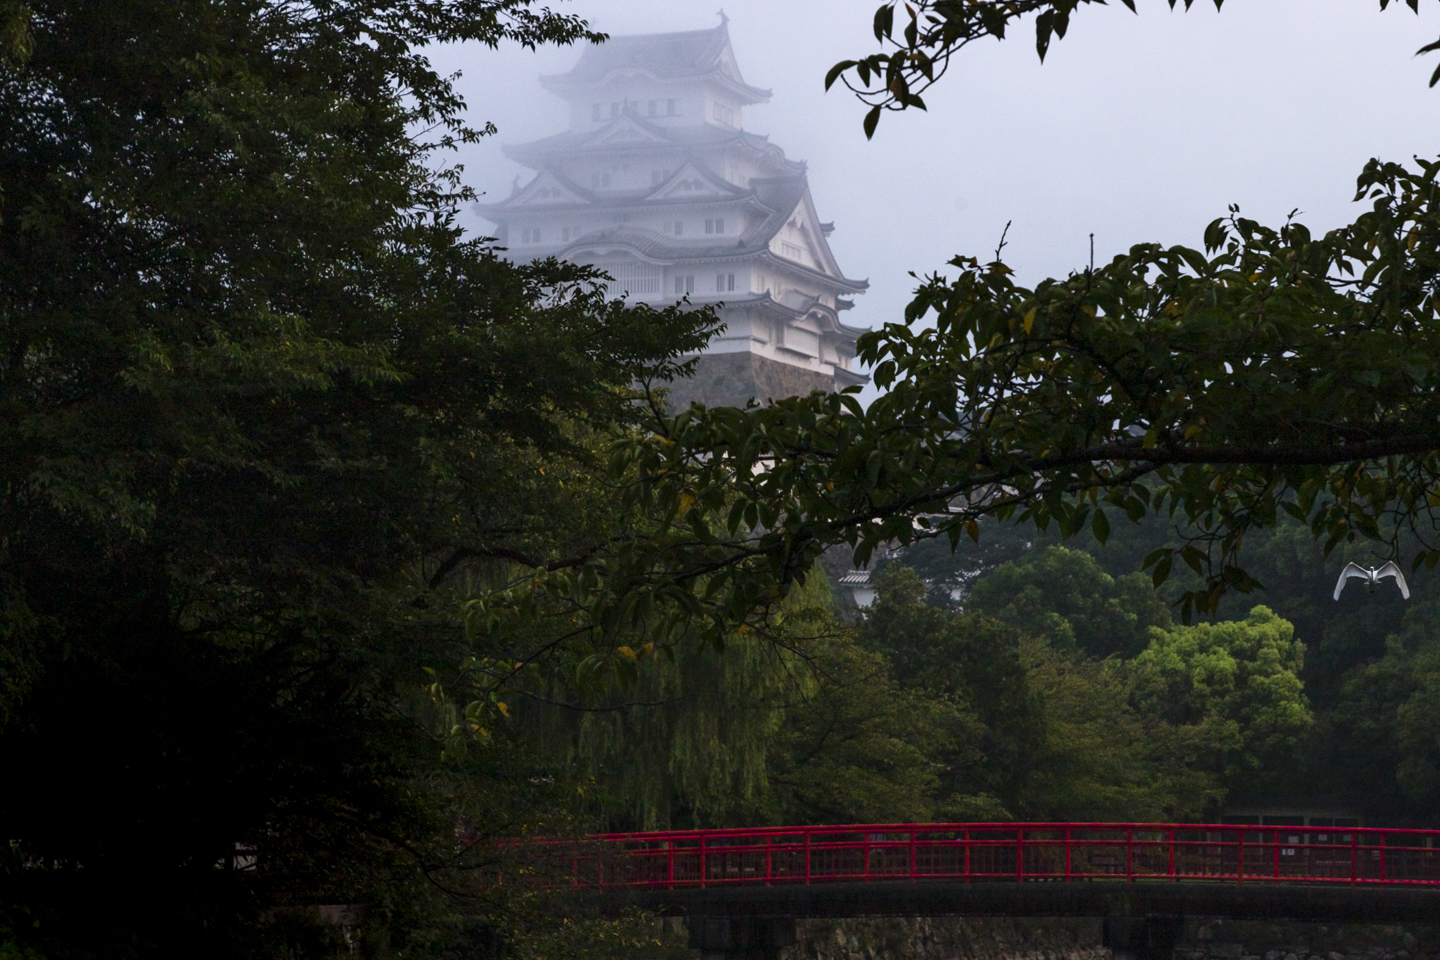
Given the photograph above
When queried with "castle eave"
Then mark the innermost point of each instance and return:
(563, 84)
(658, 248)
(592, 142)
(845, 283)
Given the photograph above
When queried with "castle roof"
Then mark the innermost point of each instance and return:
(778, 198)
(689, 55)
(657, 248)
(630, 132)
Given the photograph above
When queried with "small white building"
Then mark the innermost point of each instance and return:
(658, 183)
(862, 591)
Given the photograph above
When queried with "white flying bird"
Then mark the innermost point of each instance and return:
(1372, 577)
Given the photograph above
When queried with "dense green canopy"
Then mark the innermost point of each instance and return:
(261, 407)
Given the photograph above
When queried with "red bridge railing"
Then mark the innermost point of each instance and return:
(880, 853)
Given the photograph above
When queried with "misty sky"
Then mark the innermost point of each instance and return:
(1136, 128)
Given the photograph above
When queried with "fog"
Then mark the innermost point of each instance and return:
(1136, 128)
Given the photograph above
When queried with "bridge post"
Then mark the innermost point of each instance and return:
(741, 938)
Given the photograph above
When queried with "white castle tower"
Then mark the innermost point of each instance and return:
(657, 183)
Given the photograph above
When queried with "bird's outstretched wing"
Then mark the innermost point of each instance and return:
(1390, 570)
(1351, 570)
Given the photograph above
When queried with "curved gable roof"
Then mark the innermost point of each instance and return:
(694, 176)
(689, 55)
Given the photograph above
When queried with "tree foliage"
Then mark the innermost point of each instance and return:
(974, 666)
(1065, 597)
(264, 410)
(1274, 374)
(1232, 687)
(1281, 374)
(1387, 720)
(796, 722)
(1363, 660)
(1044, 728)
(931, 32)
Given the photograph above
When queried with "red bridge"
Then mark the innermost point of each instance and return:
(874, 853)
(742, 890)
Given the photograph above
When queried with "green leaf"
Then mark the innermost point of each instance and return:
(1155, 556)
(1100, 526)
(884, 20)
(1161, 572)
(871, 120)
(1293, 510)
(835, 71)
(1044, 27)
(1215, 234)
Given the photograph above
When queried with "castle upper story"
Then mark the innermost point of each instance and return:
(657, 182)
(671, 79)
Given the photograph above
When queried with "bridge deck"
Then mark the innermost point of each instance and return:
(1102, 898)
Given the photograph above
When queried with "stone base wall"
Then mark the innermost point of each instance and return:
(962, 938)
(948, 938)
(1254, 940)
(731, 379)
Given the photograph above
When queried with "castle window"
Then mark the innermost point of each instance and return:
(790, 250)
(615, 109)
(684, 285)
(723, 114)
(724, 282)
(715, 226)
(657, 177)
(670, 110)
(595, 112)
(530, 235)
(654, 108)
(565, 233)
(677, 227)
(631, 277)
(599, 181)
